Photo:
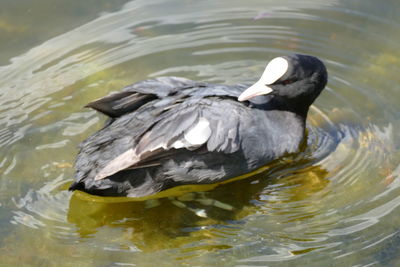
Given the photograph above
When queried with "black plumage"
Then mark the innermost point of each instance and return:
(172, 131)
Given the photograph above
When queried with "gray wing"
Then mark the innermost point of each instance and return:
(136, 95)
(190, 125)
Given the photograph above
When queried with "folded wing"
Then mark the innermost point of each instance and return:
(154, 118)
(186, 127)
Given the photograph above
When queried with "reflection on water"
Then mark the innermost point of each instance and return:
(335, 202)
(191, 215)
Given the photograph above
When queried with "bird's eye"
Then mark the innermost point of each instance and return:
(289, 81)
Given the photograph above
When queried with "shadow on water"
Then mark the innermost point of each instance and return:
(174, 221)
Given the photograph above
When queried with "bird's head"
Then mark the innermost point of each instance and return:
(298, 79)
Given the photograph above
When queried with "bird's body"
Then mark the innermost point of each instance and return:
(172, 131)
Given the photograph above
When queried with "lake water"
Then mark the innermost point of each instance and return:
(337, 202)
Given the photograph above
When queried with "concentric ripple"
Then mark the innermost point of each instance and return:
(336, 201)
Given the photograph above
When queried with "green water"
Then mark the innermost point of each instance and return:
(336, 203)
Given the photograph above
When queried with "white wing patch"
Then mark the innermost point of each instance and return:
(123, 161)
(199, 134)
(275, 69)
(178, 144)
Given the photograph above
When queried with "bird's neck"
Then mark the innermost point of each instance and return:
(273, 102)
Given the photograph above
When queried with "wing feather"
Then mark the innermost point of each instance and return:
(136, 95)
(190, 127)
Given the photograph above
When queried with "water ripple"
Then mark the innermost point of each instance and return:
(335, 199)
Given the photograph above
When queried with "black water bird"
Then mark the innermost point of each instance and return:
(172, 131)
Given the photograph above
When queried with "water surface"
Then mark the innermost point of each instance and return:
(336, 202)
